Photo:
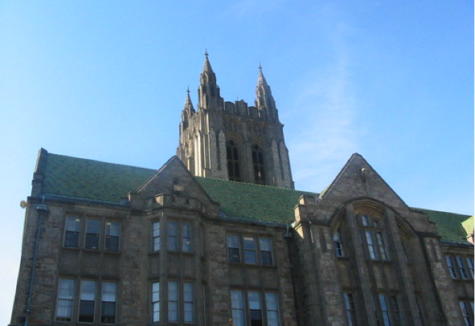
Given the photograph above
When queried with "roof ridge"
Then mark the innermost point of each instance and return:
(103, 162)
(257, 185)
(438, 211)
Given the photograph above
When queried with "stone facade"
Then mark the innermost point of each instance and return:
(106, 244)
(234, 141)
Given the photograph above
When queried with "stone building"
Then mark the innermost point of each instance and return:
(219, 236)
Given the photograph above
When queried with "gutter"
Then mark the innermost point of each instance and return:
(41, 209)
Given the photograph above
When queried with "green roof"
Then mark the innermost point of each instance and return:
(449, 225)
(88, 179)
(107, 182)
(253, 201)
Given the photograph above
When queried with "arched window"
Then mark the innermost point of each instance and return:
(232, 156)
(372, 233)
(258, 165)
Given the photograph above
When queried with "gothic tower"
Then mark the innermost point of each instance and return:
(234, 141)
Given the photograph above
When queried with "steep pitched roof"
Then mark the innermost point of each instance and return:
(79, 178)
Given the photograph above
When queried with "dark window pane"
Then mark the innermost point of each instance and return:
(108, 313)
(266, 257)
(234, 255)
(92, 241)
(86, 311)
(71, 239)
(112, 243)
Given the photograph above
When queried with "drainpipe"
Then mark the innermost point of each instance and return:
(41, 209)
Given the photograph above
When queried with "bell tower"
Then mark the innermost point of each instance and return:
(231, 140)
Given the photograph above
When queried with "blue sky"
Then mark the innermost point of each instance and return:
(106, 80)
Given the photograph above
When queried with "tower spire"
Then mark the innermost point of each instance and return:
(264, 99)
(209, 94)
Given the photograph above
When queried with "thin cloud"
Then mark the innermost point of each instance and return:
(329, 134)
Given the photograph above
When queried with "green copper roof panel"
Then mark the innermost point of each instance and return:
(88, 179)
(449, 225)
(253, 201)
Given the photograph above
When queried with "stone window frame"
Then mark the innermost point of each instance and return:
(268, 310)
(338, 243)
(466, 308)
(459, 266)
(263, 256)
(258, 164)
(183, 296)
(76, 295)
(183, 237)
(372, 234)
(108, 238)
(350, 308)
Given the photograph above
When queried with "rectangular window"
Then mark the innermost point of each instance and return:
(93, 228)
(172, 236)
(64, 305)
(370, 243)
(249, 250)
(464, 306)
(188, 302)
(112, 236)
(234, 254)
(71, 237)
(237, 306)
(350, 309)
(156, 236)
(421, 311)
(365, 220)
(255, 308)
(87, 301)
(173, 301)
(156, 301)
(384, 310)
(396, 310)
(450, 264)
(381, 246)
(461, 267)
(339, 252)
(186, 237)
(108, 304)
(265, 245)
(272, 309)
(470, 264)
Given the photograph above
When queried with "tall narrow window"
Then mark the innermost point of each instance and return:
(173, 301)
(384, 310)
(464, 306)
(186, 237)
(156, 236)
(421, 311)
(234, 255)
(233, 161)
(272, 309)
(461, 267)
(450, 264)
(265, 245)
(156, 301)
(93, 228)
(87, 301)
(339, 252)
(172, 236)
(255, 308)
(112, 236)
(64, 305)
(108, 304)
(396, 310)
(237, 306)
(350, 309)
(370, 243)
(249, 250)
(71, 237)
(470, 264)
(258, 165)
(381, 246)
(188, 302)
